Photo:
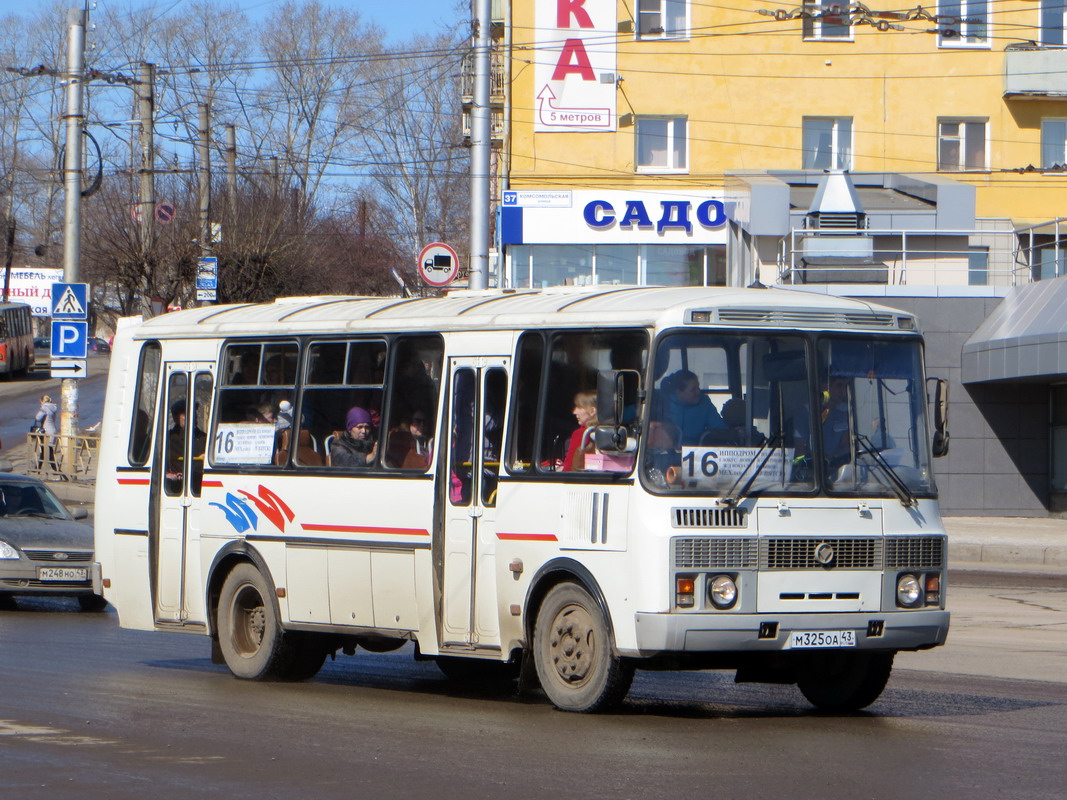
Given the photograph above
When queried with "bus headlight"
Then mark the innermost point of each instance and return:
(909, 590)
(722, 591)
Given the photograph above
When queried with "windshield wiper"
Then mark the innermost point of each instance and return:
(770, 445)
(907, 498)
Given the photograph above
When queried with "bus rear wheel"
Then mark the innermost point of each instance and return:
(574, 653)
(844, 681)
(252, 641)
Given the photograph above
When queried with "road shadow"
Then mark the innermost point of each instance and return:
(672, 695)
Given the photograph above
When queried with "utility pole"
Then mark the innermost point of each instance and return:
(203, 169)
(72, 182)
(231, 170)
(480, 146)
(146, 187)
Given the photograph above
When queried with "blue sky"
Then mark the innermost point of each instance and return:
(399, 18)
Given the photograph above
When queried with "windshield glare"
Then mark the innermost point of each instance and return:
(764, 413)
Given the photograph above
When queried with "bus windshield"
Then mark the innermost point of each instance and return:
(733, 415)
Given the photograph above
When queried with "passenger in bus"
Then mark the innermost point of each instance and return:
(356, 446)
(176, 449)
(580, 442)
(689, 408)
(836, 438)
(733, 414)
(410, 443)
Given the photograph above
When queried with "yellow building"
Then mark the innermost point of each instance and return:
(697, 92)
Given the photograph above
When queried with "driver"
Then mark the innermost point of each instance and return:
(689, 408)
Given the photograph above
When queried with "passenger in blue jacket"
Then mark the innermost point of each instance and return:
(690, 409)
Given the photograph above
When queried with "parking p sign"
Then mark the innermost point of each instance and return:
(70, 339)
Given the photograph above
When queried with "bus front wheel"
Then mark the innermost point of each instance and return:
(844, 681)
(574, 654)
(251, 639)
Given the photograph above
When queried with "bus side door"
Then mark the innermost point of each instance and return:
(177, 482)
(477, 402)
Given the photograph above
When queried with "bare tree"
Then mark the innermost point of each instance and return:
(414, 140)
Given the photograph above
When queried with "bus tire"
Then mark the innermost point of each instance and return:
(844, 681)
(252, 641)
(574, 653)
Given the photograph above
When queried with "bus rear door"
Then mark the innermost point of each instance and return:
(177, 482)
(478, 398)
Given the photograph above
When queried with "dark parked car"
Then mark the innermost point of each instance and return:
(43, 550)
(98, 345)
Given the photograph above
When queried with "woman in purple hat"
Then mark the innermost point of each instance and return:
(357, 446)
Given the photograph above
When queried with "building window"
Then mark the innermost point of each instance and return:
(961, 145)
(969, 25)
(661, 144)
(662, 19)
(828, 20)
(1052, 22)
(1053, 143)
(827, 143)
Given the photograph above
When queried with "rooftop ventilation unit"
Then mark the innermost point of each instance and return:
(836, 205)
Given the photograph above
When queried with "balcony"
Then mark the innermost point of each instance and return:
(1037, 72)
(497, 79)
(496, 128)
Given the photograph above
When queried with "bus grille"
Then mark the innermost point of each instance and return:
(50, 555)
(799, 553)
(709, 518)
(923, 552)
(715, 553)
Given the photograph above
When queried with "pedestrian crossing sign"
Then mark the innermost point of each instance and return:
(70, 301)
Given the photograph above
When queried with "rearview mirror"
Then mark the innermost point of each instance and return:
(940, 440)
(617, 396)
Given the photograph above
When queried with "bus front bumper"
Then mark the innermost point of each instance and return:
(708, 633)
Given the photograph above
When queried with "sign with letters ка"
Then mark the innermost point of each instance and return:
(574, 76)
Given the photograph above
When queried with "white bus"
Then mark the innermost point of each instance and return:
(577, 481)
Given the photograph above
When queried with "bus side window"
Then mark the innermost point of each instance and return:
(527, 392)
(415, 386)
(343, 384)
(575, 359)
(144, 405)
(257, 388)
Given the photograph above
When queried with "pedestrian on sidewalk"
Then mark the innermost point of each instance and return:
(44, 428)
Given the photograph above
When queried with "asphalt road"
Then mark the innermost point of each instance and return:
(20, 398)
(91, 711)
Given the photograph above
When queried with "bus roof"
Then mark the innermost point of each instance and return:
(520, 309)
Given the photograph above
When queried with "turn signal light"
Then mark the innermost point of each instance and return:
(684, 591)
(933, 589)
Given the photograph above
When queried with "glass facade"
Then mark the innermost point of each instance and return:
(542, 265)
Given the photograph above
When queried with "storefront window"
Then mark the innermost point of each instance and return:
(616, 263)
(562, 265)
(674, 265)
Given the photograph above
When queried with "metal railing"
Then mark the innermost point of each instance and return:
(988, 257)
(58, 457)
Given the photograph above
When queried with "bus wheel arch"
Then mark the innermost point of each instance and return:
(248, 631)
(571, 640)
